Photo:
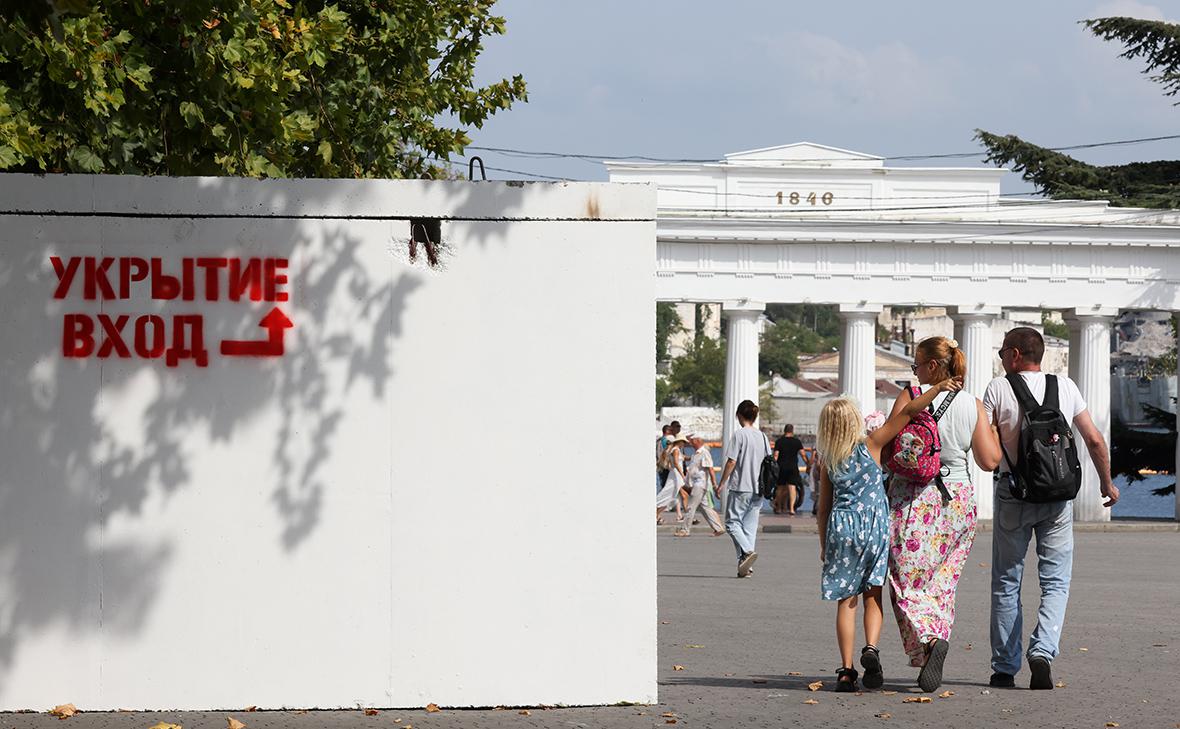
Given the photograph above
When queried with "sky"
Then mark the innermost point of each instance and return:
(693, 79)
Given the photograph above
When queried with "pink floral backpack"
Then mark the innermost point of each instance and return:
(914, 453)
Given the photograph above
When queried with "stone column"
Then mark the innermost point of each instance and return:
(973, 327)
(858, 358)
(1090, 335)
(741, 363)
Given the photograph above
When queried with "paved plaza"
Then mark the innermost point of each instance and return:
(741, 653)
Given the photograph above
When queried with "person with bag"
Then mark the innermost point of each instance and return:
(854, 524)
(933, 510)
(745, 454)
(1038, 476)
(677, 480)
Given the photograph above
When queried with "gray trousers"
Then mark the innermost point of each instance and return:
(696, 499)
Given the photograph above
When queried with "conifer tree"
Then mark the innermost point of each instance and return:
(1137, 184)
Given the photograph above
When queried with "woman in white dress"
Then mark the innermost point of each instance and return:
(677, 479)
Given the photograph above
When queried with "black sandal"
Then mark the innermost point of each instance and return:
(870, 658)
(846, 686)
(930, 678)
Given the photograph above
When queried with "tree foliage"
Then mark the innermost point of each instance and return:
(1138, 184)
(698, 377)
(782, 344)
(276, 88)
(1054, 328)
(668, 324)
(1132, 450)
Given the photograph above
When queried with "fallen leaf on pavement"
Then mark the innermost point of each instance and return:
(1159, 645)
(251, 708)
(525, 712)
(669, 721)
(665, 622)
(165, 725)
(917, 700)
(888, 693)
(760, 680)
(1083, 649)
(729, 674)
(691, 645)
(811, 702)
(1060, 684)
(304, 711)
(431, 708)
(983, 564)
(1112, 723)
(794, 673)
(967, 647)
(815, 686)
(669, 715)
(946, 694)
(884, 715)
(370, 712)
(64, 711)
(677, 668)
(234, 723)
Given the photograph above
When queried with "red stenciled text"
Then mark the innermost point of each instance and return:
(174, 337)
(204, 279)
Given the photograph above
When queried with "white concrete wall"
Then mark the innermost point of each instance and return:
(321, 529)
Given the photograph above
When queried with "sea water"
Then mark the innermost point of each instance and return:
(1135, 499)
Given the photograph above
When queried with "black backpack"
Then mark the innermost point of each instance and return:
(768, 475)
(1047, 467)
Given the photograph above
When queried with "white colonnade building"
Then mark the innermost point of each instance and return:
(807, 223)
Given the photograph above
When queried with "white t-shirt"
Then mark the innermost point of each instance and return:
(700, 462)
(999, 402)
(955, 428)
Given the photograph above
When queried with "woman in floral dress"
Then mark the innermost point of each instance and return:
(932, 528)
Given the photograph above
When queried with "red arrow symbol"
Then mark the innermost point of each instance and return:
(274, 323)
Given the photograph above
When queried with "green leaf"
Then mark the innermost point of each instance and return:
(9, 157)
(192, 114)
(324, 150)
(84, 159)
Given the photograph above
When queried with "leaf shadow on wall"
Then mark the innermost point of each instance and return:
(78, 468)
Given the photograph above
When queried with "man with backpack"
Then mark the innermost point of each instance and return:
(747, 450)
(1035, 484)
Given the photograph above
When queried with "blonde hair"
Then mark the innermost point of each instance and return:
(841, 428)
(951, 360)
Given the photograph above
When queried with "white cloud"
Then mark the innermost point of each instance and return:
(888, 80)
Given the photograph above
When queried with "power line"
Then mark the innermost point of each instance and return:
(463, 163)
(597, 158)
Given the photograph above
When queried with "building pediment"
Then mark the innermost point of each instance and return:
(805, 154)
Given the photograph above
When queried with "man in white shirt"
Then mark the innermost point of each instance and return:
(700, 477)
(1016, 521)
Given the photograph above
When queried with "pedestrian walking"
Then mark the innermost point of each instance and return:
(932, 522)
(790, 485)
(661, 466)
(700, 478)
(676, 481)
(854, 525)
(1033, 413)
(747, 447)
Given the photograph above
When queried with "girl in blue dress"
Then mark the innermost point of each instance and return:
(854, 524)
